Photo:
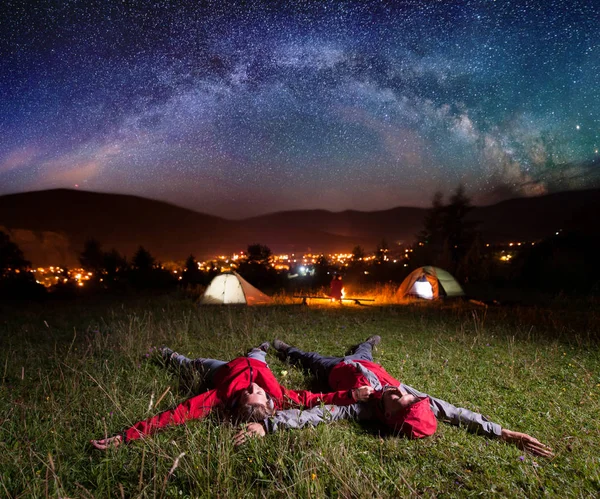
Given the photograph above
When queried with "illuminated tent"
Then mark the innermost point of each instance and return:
(230, 289)
(429, 283)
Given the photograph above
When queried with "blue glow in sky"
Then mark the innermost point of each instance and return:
(236, 111)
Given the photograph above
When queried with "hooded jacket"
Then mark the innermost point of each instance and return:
(350, 374)
(229, 380)
(417, 421)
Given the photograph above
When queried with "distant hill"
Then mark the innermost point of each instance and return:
(538, 217)
(123, 222)
(52, 226)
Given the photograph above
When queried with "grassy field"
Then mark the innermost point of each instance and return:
(76, 371)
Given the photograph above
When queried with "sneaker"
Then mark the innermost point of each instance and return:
(167, 354)
(280, 346)
(373, 340)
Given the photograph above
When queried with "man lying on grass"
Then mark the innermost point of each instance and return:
(401, 408)
(243, 390)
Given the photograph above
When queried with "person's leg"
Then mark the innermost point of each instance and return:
(314, 362)
(364, 351)
(205, 367)
(257, 354)
(260, 352)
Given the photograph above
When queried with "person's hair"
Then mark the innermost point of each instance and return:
(250, 413)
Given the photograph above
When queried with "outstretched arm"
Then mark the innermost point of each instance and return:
(194, 408)
(106, 443)
(526, 442)
(479, 424)
(294, 419)
(341, 398)
(459, 416)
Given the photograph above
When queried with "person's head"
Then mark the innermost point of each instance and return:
(409, 415)
(252, 404)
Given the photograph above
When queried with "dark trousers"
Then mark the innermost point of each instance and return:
(321, 365)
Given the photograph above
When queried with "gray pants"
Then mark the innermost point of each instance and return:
(207, 368)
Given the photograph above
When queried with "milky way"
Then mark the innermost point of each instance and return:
(237, 110)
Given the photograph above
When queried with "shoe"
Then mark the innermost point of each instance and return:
(280, 346)
(264, 346)
(167, 354)
(373, 340)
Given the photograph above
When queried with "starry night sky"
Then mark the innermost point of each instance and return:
(237, 110)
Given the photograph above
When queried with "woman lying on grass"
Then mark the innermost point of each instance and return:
(401, 408)
(244, 389)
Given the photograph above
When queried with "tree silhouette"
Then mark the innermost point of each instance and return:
(447, 238)
(256, 266)
(92, 257)
(143, 261)
(322, 271)
(192, 274)
(358, 253)
(432, 235)
(11, 256)
(16, 282)
(381, 252)
(259, 254)
(114, 263)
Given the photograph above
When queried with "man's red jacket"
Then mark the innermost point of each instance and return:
(231, 378)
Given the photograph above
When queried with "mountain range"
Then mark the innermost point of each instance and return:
(52, 226)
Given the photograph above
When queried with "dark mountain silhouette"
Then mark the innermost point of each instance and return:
(527, 219)
(52, 226)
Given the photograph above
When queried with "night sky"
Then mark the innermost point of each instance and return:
(238, 110)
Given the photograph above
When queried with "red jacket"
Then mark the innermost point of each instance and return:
(346, 376)
(335, 289)
(235, 376)
(417, 421)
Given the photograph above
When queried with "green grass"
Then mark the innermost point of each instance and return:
(75, 371)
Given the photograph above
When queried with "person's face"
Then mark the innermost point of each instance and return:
(396, 400)
(254, 394)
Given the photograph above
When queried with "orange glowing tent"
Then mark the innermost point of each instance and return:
(430, 283)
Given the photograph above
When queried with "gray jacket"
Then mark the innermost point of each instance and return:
(443, 411)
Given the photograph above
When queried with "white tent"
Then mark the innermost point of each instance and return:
(228, 289)
(430, 283)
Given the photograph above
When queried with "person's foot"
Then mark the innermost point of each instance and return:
(167, 354)
(373, 340)
(280, 346)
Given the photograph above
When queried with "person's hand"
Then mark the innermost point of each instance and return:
(251, 430)
(105, 443)
(362, 393)
(527, 443)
